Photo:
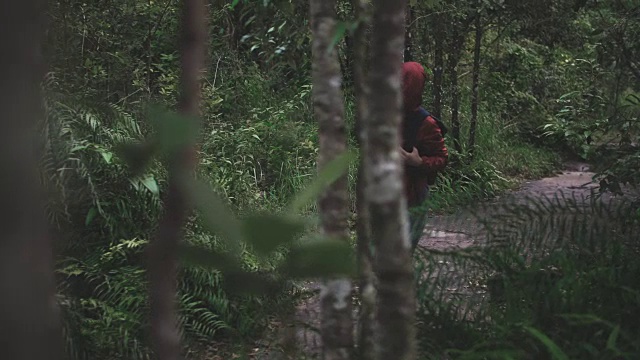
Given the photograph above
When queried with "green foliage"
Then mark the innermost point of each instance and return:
(500, 163)
(551, 75)
(103, 283)
(87, 181)
(263, 146)
(554, 279)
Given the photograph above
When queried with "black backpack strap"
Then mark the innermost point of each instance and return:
(443, 128)
(412, 124)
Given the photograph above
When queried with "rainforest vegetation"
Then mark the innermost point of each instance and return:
(522, 85)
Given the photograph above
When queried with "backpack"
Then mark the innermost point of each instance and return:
(412, 125)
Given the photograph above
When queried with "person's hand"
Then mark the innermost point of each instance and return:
(411, 158)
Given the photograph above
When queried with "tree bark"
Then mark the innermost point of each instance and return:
(388, 211)
(29, 320)
(366, 322)
(475, 84)
(335, 300)
(408, 43)
(163, 262)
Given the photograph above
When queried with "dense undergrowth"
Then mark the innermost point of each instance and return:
(257, 160)
(258, 147)
(554, 281)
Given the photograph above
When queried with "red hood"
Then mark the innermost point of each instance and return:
(413, 81)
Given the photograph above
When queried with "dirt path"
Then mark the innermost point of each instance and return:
(460, 230)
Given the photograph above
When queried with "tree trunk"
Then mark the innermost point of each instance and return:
(29, 322)
(453, 58)
(388, 211)
(438, 65)
(366, 323)
(408, 43)
(476, 83)
(335, 300)
(162, 252)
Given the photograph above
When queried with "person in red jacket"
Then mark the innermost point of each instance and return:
(423, 149)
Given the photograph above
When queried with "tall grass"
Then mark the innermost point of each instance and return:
(501, 162)
(551, 278)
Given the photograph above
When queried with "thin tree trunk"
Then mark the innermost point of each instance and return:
(348, 71)
(366, 323)
(147, 46)
(438, 65)
(453, 58)
(335, 300)
(476, 83)
(388, 211)
(408, 43)
(29, 322)
(162, 252)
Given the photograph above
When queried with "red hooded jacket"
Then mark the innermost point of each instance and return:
(429, 140)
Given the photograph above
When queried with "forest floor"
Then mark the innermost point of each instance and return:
(461, 229)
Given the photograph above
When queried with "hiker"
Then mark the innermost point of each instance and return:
(423, 149)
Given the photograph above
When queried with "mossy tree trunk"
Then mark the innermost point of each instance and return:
(388, 213)
(335, 300)
(366, 316)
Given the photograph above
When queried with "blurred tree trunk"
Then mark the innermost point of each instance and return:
(163, 262)
(475, 83)
(388, 212)
(366, 319)
(335, 301)
(29, 317)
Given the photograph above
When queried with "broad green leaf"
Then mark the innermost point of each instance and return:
(331, 172)
(235, 278)
(432, 3)
(90, 216)
(327, 258)
(613, 339)
(150, 183)
(234, 3)
(208, 259)
(341, 29)
(136, 156)
(173, 131)
(251, 283)
(267, 232)
(106, 155)
(287, 7)
(217, 217)
(553, 349)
